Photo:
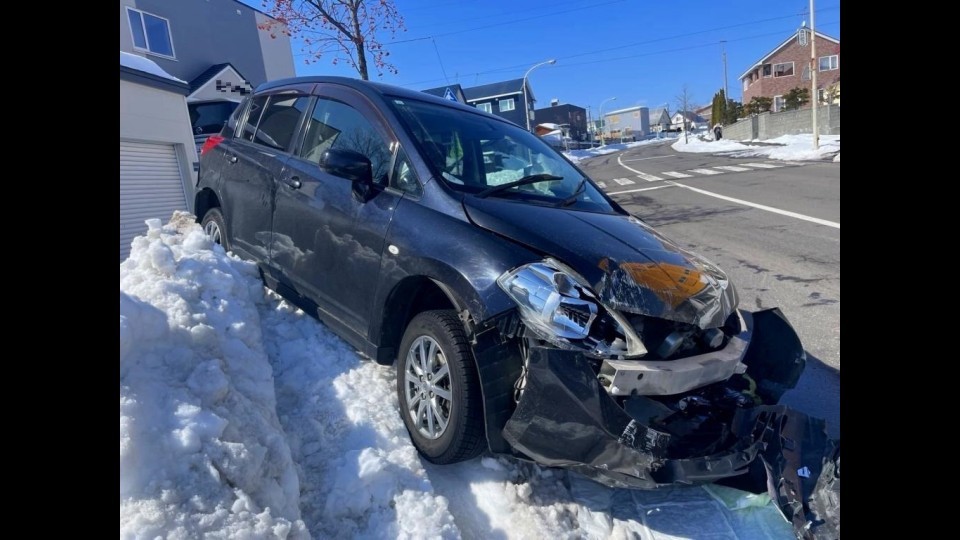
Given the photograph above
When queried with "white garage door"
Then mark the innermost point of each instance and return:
(150, 187)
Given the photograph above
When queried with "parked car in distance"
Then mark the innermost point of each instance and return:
(526, 312)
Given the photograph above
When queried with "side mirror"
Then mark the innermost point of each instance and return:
(352, 166)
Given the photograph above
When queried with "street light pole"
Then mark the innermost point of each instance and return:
(814, 66)
(526, 109)
(603, 122)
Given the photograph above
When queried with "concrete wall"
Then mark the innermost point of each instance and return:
(771, 125)
(153, 115)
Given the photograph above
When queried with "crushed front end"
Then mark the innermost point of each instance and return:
(642, 400)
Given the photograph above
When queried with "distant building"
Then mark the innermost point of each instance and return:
(693, 121)
(659, 120)
(504, 99)
(571, 118)
(706, 112)
(630, 123)
(452, 92)
(787, 66)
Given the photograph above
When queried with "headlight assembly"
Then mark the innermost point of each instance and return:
(558, 306)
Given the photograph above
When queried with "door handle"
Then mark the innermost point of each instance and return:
(293, 182)
(232, 159)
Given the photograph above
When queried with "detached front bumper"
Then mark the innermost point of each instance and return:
(565, 418)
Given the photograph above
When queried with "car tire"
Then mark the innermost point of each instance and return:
(215, 227)
(435, 347)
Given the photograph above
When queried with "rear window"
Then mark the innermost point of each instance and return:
(209, 118)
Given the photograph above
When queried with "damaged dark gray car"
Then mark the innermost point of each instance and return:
(527, 313)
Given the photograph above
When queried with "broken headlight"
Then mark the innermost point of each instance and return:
(559, 306)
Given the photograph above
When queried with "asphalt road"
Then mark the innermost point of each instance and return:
(773, 226)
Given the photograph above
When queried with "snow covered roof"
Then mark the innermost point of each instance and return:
(145, 65)
(143, 71)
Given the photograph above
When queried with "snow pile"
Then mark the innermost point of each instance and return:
(786, 147)
(577, 155)
(836, 158)
(240, 413)
(359, 472)
(146, 65)
(201, 448)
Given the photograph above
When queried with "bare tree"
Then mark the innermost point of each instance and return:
(683, 101)
(347, 29)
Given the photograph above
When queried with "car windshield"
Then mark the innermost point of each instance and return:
(474, 153)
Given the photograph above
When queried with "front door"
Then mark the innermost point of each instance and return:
(327, 243)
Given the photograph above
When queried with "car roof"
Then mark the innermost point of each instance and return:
(373, 90)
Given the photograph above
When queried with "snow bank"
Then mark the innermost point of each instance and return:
(201, 448)
(786, 147)
(577, 155)
(146, 65)
(243, 417)
(360, 474)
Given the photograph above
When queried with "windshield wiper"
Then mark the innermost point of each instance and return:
(581, 187)
(532, 179)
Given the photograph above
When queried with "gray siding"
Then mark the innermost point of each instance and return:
(206, 33)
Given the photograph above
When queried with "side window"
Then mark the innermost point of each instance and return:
(338, 125)
(230, 128)
(253, 118)
(278, 123)
(403, 177)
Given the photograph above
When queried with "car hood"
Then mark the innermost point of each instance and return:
(630, 267)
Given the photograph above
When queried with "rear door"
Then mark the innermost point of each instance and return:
(254, 162)
(328, 243)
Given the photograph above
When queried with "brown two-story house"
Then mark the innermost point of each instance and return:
(788, 66)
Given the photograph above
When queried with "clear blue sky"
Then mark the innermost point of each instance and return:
(642, 52)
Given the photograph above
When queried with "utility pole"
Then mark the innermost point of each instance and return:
(726, 93)
(814, 66)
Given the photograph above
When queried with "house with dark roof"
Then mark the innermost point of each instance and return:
(571, 118)
(505, 99)
(451, 92)
(690, 118)
(223, 49)
(787, 66)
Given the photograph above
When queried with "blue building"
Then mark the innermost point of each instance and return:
(505, 99)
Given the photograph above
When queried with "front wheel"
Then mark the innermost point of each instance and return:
(438, 388)
(215, 227)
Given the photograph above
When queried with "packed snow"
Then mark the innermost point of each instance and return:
(202, 451)
(243, 417)
(577, 155)
(786, 147)
(146, 65)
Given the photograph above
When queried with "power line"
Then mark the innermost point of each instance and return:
(666, 51)
(444, 71)
(455, 32)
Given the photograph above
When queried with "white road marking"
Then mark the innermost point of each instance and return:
(643, 158)
(707, 172)
(641, 189)
(634, 171)
(676, 174)
(758, 206)
(623, 181)
(603, 185)
(763, 165)
(649, 177)
(733, 168)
